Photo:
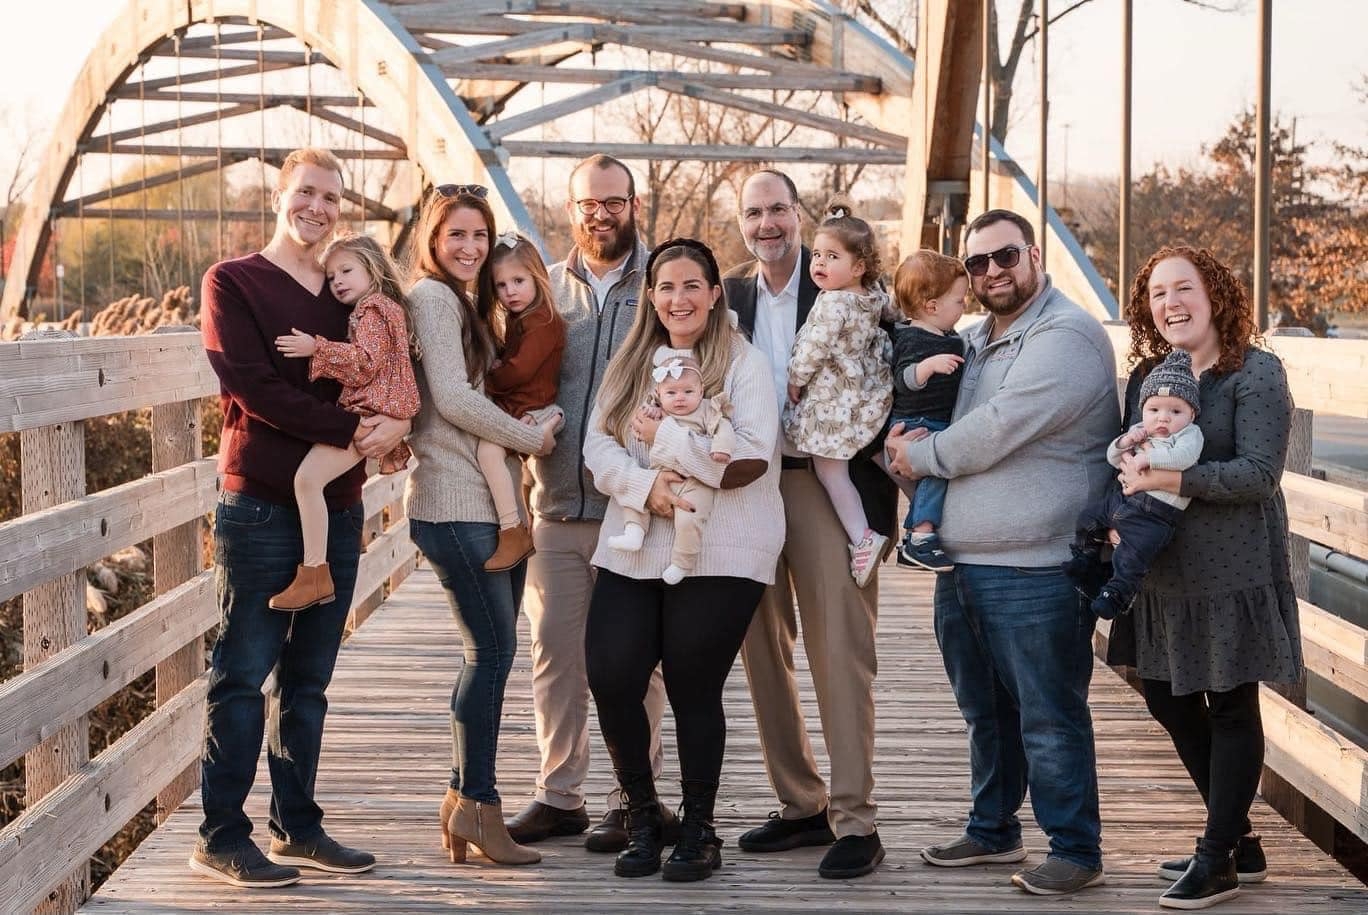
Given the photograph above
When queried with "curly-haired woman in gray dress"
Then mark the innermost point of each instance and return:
(1216, 614)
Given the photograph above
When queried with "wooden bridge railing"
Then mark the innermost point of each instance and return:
(48, 387)
(75, 804)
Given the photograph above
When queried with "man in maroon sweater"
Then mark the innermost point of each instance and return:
(272, 415)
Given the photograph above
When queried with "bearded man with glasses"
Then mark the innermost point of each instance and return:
(596, 289)
(1035, 411)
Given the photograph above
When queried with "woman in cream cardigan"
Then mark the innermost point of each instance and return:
(692, 629)
(452, 517)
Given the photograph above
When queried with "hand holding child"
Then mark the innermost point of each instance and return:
(794, 393)
(297, 344)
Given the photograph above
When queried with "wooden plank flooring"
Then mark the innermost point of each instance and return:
(386, 752)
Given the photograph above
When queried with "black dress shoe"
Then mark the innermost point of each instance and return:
(539, 821)
(779, 834)
(610, 835)
(852, 856)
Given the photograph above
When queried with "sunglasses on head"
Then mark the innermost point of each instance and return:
(462, 190)
(1006, 258)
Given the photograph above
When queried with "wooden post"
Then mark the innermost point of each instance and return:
(1306, 816)
(52, 462)
(176, 558)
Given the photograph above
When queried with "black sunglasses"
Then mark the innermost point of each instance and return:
(462, 190)
(1006, 258)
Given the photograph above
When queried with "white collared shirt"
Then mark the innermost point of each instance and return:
(604, 285)
(776, 327)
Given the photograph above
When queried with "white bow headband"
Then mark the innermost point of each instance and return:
(675, 369)
(508, 239)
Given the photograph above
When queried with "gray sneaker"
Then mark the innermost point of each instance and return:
(243, 865)
(1055, 877)
(964, 851)
(322, 853)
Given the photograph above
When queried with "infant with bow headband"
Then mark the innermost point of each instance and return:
(680, 397)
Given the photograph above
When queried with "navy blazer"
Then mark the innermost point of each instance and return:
(877, 492)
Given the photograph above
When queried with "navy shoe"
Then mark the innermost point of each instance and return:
(925, 555)
(1111, 602)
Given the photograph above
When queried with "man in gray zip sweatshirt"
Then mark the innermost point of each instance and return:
(596, 289)
(1025, 451)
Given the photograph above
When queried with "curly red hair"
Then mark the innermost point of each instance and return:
(1231, 311)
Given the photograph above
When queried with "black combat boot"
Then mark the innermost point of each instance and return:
(698, 852)
(641, 857)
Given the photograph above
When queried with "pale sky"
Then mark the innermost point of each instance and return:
(1195, 69)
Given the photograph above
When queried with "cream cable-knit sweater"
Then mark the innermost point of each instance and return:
(447, 484)
(746, 531)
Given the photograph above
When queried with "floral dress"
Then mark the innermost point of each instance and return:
(374, 368)
(841, 359)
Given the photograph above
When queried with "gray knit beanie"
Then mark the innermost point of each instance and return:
(1172, 378)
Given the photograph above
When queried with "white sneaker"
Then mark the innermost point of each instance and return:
(865, 556)
(630, 540)
(673, 574)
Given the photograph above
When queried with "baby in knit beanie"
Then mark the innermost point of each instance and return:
(1166, 438)
(679, 394)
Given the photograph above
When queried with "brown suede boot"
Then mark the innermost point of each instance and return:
(515, 545)
(449, 802)
(482, 825)
(311, 585)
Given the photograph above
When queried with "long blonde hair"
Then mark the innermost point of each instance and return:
(627, 383)
(383, 275)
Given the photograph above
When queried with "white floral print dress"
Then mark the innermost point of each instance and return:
(841, 358)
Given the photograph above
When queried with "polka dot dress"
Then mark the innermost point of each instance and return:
(1217, 608)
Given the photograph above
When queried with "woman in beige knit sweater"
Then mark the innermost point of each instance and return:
(452, 516)
(692, 629)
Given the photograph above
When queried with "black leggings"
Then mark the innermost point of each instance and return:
(1220, 739)
(694, 630)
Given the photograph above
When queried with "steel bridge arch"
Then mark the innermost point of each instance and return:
(447, 97)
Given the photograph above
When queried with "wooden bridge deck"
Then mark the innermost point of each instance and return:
(387, 746)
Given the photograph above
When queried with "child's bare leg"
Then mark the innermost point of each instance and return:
(494, 468)
(320, 466)
(834, 475)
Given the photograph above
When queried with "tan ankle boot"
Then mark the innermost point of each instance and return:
(449, 802)
(482, 825)
(515, 545)
(311, 585)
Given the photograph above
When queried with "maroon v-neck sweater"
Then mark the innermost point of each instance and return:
(272, 413)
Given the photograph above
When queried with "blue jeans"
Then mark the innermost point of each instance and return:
(257, 547)
(1017, 645)
(485, 605)
(928, 504)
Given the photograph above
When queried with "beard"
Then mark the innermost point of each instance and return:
(615, 247)
(1009, 301)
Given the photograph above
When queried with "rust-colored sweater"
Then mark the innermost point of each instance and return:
(529, 370)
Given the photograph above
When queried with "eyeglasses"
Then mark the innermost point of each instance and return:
(1006, 258)
(589, 206)
(463, 190)
(775, 210)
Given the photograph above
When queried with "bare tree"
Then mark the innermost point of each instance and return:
(24, 141)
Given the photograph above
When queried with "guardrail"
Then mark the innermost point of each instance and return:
(48, 386)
